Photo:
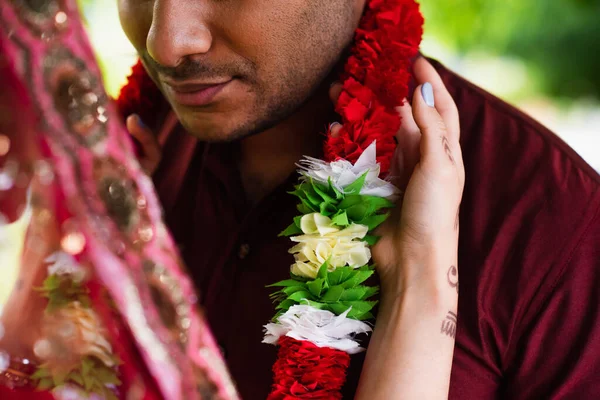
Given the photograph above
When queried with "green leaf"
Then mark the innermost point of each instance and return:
(316, 304)
(285, 305)
(307, 207)
(285, 283)
(333, 277)
(59, 378)
(45, 384)
(313, 197)
(360, 309)
(371, 291)
(371, 239)
(357, 185)
(357, 212)
(323, 270)
(322, 191)
(52, 282)
(41, 373)
(107, 376)
(301, 295)
(304, 209)
(350, 200)
(338, 308)
(316, 287)
(88, 382)
(353, 294)
(76, 377)
(338, 195)
(377, 203)
(327, 209)
(359, 277)
(291, 230)
(293, 289)
(374, 221)
(333, 294)
(341, 219)
(87, 364)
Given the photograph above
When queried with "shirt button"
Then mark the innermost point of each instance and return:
(243, 251)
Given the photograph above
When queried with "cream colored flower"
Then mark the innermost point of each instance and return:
(71, 333)
(322, 241)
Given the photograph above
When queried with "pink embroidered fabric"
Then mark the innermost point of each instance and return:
(69, 149)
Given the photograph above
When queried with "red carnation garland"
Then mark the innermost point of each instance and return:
(305, 371)
(374, 82)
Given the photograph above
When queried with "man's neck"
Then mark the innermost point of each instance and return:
(268, 159)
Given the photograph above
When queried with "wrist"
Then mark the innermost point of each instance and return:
(431, 274)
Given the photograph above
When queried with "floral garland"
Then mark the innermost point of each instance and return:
(342, 201)
(76, 356)
(324, 304)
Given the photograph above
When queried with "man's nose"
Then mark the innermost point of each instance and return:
(178, 30)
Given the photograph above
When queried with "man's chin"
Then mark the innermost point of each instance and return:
(213, 127)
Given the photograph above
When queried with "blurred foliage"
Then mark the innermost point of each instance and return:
(559, 40)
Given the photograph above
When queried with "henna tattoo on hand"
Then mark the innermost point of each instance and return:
(446, 145)
(452, 276)
(449, 325)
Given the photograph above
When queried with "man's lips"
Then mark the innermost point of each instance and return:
(195, 94)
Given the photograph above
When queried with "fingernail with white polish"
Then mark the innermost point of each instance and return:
(333, 125)
(427, 93)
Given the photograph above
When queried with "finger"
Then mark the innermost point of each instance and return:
(144, 136)
(435, 145)
(334, 129)
(425, 72)
(334, 91)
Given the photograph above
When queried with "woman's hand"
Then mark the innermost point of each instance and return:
(422, 236)
(428, 168)
(151, 152)
(410, 353)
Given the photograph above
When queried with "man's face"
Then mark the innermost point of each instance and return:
(231, 68)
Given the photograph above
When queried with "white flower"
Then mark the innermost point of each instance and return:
(62, 263)
(343, 173)
(320, 327)
(324, 241)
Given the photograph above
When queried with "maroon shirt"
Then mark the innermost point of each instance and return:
(529, 256)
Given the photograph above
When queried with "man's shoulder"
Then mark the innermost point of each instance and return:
(491, 126)
(528, 195)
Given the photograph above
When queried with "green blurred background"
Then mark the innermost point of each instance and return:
(542, 55)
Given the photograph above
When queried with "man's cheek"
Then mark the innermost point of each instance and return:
(135, 20)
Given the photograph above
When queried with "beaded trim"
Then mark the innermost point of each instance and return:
(18, 373)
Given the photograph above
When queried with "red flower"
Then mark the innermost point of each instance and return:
(305, 371)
